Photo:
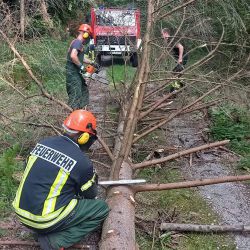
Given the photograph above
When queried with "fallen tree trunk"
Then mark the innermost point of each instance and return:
(118, 230)
(204, 228)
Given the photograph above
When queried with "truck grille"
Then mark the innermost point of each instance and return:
(116, 40)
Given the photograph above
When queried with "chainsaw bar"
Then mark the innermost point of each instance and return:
(100, 79)
(122, 182)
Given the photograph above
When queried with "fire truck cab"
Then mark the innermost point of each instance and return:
(116, 32)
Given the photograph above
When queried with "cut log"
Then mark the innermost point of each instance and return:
(204, 228)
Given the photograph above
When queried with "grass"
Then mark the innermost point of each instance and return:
(233, 123)
(182, 206)
(8, 184)
(47, 58)
(121, 73)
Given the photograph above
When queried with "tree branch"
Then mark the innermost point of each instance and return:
(204, 228)
(35, 244)
(105, 146)
(179, 154)
(176, 8)
(164, 121)
(189, 184)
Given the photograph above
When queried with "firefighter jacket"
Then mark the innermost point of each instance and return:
(56, 171)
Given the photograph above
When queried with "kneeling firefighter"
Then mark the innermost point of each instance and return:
(56, 197)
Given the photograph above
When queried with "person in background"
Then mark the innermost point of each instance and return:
(57, 194)
(76, 86)
(179, 54)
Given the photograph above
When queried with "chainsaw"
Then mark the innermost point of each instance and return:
(121, 182)
(92, 72)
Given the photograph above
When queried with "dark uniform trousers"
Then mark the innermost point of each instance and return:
(77, 90)
(86, 217)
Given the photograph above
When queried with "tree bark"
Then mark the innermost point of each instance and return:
(118, 230)
(204, 228)
(22, 18)
(45, 14)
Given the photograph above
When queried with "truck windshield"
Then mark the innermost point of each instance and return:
(115, 18)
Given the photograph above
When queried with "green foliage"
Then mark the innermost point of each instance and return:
(37, 28)
(233, 123)
(8, 185)
(234, 15)
(67, 10)
(47, 57)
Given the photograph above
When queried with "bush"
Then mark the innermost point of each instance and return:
(234, 124)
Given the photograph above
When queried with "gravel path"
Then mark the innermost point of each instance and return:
(231, 201)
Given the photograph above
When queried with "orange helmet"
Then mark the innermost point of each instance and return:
(86, 28)
(81, 120)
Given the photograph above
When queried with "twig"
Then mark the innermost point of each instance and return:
(32, 123)
(100, 163)
(105, 146)
(12, 86)
(153, 241)
(177, 8)
(230, 151)
(191, 160)
(34, 244)
(173, 115)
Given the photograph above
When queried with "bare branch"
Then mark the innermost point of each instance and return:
(189, 184)
(105, 146)
(176, 8)
(204, 228)
(34, 244)
(179, 154)
(161, 123)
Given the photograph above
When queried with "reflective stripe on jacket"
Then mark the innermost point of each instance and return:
(56, 171)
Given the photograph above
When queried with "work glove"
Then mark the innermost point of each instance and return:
(82, 69)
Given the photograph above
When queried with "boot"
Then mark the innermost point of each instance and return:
(44, 243)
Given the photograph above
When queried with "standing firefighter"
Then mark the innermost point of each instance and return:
(76, 86)
(56, 197)
(179, 54)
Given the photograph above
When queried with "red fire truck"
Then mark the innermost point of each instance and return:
(116, 32)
